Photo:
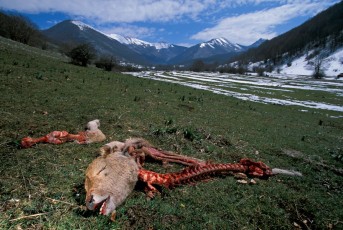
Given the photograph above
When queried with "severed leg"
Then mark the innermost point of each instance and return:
(91, 135)
(55, 137)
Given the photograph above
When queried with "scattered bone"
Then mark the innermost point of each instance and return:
(286, 172)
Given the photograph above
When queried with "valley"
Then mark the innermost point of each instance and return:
(280, 89)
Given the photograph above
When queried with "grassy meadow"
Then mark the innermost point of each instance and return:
(42, 187)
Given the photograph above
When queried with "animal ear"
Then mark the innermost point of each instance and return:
(105, 150)
(97, 121)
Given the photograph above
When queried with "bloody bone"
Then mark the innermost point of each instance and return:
(92, 134)
(55, 137)
(140, 149)
(200, 172)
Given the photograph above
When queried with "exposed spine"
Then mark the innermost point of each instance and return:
(200, 172)
(189, 174)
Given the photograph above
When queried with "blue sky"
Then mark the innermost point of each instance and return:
(183, 22)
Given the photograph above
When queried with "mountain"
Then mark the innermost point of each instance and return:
(123, 48)
(205, 50)
(311, 34)
(75, 32)
(137, 51)
(314, 47)
(158, 53)
(256, 44)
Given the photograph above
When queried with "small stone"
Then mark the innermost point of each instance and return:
(242, 181)
(296, 225)
(240, 176)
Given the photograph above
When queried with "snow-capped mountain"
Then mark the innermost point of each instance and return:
(134, 50)
(221, 44)
(205, 50)
(158, 53)
(71, 33)
(135, 41)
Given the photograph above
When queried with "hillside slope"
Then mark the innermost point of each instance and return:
(314, 32)
(332, 65)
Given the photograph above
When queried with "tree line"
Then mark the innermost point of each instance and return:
(20, 29)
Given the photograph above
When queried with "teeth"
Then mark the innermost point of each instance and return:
(102, 208)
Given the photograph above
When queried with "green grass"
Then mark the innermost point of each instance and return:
(42, 187)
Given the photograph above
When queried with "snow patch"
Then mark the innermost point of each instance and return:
(81, 25)
(332, 65)
(135, 41)
(233, 85)
(223, 42)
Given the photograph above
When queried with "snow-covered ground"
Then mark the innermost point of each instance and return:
(276, 89)
(332, 65)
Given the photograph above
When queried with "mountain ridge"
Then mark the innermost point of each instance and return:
(136, 50)
(69, 32)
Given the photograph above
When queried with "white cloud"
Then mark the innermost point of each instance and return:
(131, 31)
(114, 10)
(136, 16)
(185, 44)
(249, 27)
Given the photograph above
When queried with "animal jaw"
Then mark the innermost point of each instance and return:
(95, 201)
(101, 202)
